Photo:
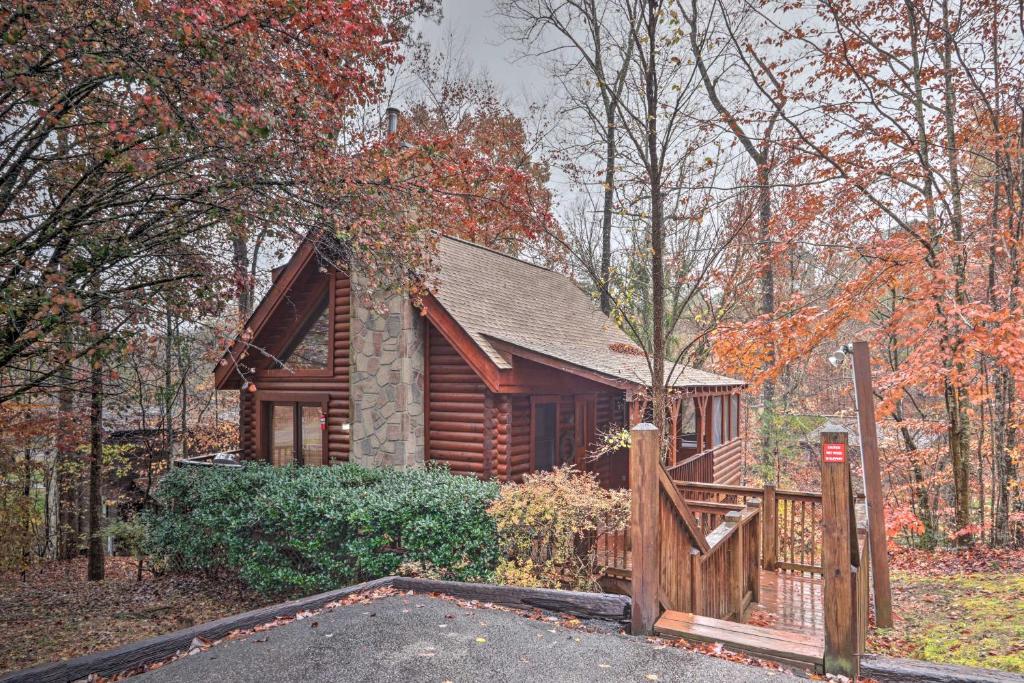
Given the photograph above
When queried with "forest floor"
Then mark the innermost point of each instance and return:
(53, 613)
(957, 608)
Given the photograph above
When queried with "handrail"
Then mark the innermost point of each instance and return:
(736, 490)
(720, 534)
(713, 506)
(676, 498)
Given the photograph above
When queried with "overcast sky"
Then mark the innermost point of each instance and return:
(474, 23)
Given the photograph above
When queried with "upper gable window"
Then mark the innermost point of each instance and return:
(310, 349)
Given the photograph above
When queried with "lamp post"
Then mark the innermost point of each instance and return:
(867, 438)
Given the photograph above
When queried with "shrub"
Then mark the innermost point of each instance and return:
(306, 529)
(549, 525)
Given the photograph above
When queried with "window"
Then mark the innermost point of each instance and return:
(716, 421)
(309, 352)
(282, 439)
(545, 436)
(687, 419)
(296, 434)
(734, 414)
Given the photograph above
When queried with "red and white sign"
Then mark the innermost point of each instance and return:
(833, 452)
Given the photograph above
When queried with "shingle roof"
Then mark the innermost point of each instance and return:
(497, 298)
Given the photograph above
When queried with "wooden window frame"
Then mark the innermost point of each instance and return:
(265, 402)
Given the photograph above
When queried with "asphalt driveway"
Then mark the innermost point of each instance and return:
(420, 638)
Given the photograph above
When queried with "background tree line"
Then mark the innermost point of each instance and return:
(759, 182)
(751, 184)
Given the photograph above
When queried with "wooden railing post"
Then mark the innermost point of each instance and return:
(755, 585)
(839, 556)
(732, 518)
(644, 526)
(769, 529)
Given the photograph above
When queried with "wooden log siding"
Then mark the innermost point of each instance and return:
(502, 436)
(728, 462)
(247, 424)
(456, 405)
(520, 448)
(339, 414)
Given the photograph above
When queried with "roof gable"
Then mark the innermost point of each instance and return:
(498, 304)
(260, 329)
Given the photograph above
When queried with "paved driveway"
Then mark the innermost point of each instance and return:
(419, 638)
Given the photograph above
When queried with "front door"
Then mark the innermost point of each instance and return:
(545, 435)
(586, 429)
(296, 433)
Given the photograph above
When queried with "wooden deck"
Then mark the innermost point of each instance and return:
(794, 649)
(791, 602)
(787, 625)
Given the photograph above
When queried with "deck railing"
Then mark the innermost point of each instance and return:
(729, 532)
(726, 578)
(791, 537)
(720, 463)
(798, 532)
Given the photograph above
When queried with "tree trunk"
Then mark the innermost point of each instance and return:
(606, 212)
(955, 393)
(96, 556)
(240, 262)
(67, 474)
(767, 304)
(168, 403)
(659, 403)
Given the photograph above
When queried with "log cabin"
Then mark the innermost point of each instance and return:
(506, 368)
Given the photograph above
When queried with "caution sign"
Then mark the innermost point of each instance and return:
(833, 452)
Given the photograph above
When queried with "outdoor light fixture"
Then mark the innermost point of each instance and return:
(839, 355)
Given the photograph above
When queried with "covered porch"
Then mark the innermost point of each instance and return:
(705, 431)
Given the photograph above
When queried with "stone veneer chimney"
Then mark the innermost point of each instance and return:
(387, 374)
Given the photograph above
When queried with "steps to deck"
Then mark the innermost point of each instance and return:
(793, 649)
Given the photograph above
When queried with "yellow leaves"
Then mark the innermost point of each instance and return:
(549, 524)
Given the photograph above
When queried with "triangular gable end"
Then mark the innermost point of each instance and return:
(295, 280)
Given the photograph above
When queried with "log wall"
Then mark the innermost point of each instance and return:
(519, 448)
(338, 405)
(330, 388)
(456, 407)
(246, 424)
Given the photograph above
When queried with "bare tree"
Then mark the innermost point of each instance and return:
(590, 44)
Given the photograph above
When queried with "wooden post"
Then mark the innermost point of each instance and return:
(697, 581)
(769, 529)
(756, 578)
(732, 519)
(872, 483)
(839, 555)
(644, 526)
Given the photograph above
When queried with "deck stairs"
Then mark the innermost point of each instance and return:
(796, 650)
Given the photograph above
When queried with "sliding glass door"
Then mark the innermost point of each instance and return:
(296, 433)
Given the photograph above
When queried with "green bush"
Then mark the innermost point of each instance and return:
(306, 529)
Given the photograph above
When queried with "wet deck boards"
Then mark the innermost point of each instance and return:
(795, 649)
(791, 602)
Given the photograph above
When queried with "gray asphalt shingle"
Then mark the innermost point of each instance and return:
(497, 298)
